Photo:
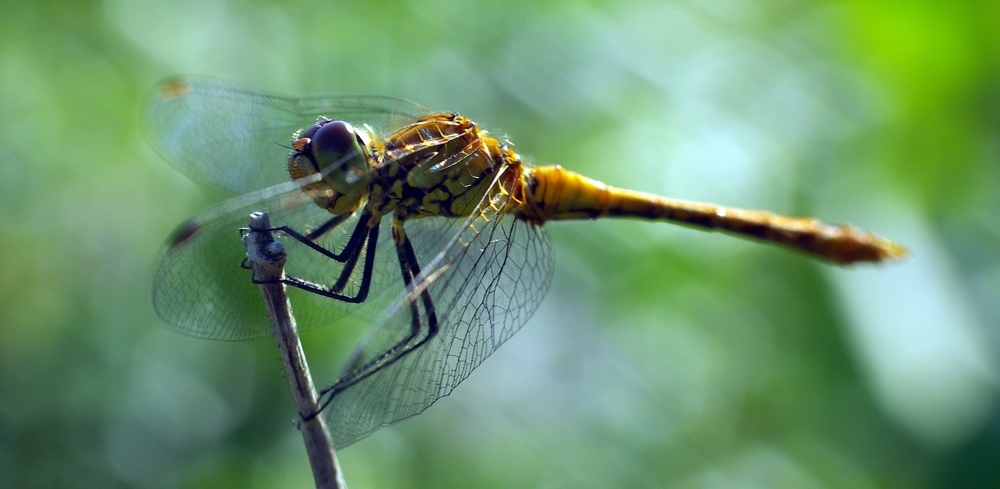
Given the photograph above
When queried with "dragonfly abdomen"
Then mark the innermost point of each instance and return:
(553, 193)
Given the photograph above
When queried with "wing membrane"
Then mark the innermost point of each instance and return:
(200, 289)
(235, 139)
(486, 276)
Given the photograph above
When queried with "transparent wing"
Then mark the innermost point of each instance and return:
(200, 289)
(486, 276)
(236, 139)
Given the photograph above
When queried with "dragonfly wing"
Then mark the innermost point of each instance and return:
(235, 138)
(486, 276)
(200, 289)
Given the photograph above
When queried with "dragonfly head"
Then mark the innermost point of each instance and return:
(339, 152)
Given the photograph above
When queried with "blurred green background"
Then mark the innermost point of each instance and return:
(661, 357)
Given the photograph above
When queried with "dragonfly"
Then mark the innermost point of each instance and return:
(419, 222)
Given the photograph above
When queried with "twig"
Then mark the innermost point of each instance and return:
(267, 260)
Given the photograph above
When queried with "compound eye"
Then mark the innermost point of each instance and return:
(315, 127)
(336, 138)
(341, 157)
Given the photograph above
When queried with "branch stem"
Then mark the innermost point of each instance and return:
(267, 260)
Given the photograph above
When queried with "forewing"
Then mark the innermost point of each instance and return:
(486, 276)
(235, 138)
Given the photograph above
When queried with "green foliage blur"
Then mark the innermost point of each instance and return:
(661, 357)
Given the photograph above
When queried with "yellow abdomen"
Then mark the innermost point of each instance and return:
(553, 193)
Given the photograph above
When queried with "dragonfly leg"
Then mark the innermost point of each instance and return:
(309, 239)
(349, 266)
(352, 262)
(327, 226)
(410, 268)
(352, 246)
(348, 256)
(352, 250)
